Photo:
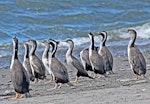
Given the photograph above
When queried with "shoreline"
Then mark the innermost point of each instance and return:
(117, 88)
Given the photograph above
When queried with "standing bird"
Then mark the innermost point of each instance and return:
(106, 54)
(96, 60)
(72, 61)
(19, 76)
(135, 57)
(37, 66)
(58, 69)
(26, 62)
(45, 59)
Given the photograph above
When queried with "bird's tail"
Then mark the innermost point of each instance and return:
(27, 95)
(90, 77)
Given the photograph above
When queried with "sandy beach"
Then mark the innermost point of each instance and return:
(119, 88)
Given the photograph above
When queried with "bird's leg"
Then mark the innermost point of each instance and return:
(96, 75)
(92, 74)
(143, 76)
(17, 95)
(22, 95)
(36, 80)
(51, 79)
(59, 85)
(137, 78)
(55, 87)
(76, 79)
(109, 72)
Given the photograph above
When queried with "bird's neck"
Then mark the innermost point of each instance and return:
(45, 53)
(54, 48)
(26, 55)
(92, 43)
(15, 51)
(32, 52)
(103, 41)
(70, 49)
(132, 41)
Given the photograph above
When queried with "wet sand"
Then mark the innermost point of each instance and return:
(118, 88)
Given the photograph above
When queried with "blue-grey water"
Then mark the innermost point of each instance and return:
(60, 19)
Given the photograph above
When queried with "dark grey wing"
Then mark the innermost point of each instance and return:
(27, 66)
(37, 65)
(97, 61)
(58, 69)
(19, 77)
(86, 56)
(77, 64)
(137, 61)
(107, 57)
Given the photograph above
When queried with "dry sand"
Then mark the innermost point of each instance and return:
(119, 88)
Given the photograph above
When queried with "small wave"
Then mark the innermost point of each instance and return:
(143, 32)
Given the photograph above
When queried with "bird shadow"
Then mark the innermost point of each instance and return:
(7, 96)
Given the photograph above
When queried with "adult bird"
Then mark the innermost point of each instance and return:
(135, 57)
(45, 59)
(37, 66)
(58, 69)
(106, 54)
(19, 76)
(74, 62)
(96, 60)
(26, 62)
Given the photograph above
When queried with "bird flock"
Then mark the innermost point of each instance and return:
(99, 61)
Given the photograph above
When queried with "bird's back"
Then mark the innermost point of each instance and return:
(59, 70)
(107, 57)
(136, 60)
(27, 66)
(77, 64)
(84, 54)
(97, 62)
(19, 77)
(37, 65)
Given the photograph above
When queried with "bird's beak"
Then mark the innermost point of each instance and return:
(48, 41)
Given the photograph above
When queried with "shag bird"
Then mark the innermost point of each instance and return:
(135, 57)
(74, 62)
(26, 62)
(106, 54)
(45, 59)
(96, 60)
(37, 66)
(19, 76)
(58, 69)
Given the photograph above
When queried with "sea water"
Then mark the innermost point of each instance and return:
(61, 19)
